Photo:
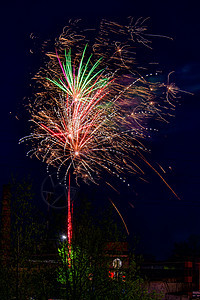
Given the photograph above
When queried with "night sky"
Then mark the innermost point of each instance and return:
(158, 218)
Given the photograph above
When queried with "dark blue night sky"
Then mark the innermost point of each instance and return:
(158, 218)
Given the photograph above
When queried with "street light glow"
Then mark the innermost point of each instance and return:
(63, 237)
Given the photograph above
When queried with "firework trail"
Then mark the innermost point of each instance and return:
(91, 111)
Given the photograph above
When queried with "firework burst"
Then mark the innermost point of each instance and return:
(91, 112)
